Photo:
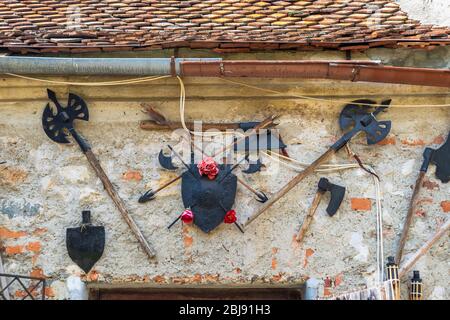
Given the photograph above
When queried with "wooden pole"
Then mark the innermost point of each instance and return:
(154, 126)
(409, 216)
(308, 219)
(424, 249)
(248, 187)
(291, 184)
(93, 161)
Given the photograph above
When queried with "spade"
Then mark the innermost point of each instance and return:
(85, 243)
(58, 124)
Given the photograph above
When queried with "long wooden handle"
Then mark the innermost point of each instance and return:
(119, 203)
(291, 184)
(408, 220)
(308, 219)
(165, 185)
(153, 126)
(247, 186)
(424, 249)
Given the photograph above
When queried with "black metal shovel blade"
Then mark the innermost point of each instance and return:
(85, 245)
(441, 158)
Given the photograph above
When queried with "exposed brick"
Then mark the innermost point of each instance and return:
(11, 250)
(197, 278)
(39, 231)
(413, 142)
(159, 279)
(37, 273)
(308, 253)
(34, 246)
(445, 205)
(430, 185)
(274, 263)
(388, 140)
(49, 292)
(187, 239)
(92, 276)
(361, 204)
(9, 234)
(20, 294)
(132, 175)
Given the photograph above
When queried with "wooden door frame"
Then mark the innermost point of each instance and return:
(185, 292)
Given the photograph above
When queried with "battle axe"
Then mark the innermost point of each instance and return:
(441, 158)
(355, 118)
(58, 124)
(337, 195)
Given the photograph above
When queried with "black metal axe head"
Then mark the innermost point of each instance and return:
(337, 195)
(56, 121)
(360, 116)
(441, 158)
(166, 161)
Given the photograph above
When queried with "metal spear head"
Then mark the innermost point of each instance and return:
(57, 121)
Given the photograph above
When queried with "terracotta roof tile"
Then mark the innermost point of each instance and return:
(227, 25)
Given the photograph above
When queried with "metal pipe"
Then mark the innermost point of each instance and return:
(336, 70)
(350, 70)
(95, 66)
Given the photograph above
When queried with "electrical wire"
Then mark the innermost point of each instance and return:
(329, 100)
(92, 84)
(378, 196)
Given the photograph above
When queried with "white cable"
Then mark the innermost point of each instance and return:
(323, 168)
(378, 195)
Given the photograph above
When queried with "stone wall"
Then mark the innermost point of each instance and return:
(427, 11)
(44, 186)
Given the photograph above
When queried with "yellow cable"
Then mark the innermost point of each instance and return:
(93, 84)
(329, 100)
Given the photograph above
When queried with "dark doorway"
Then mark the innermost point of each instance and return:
(197, 293)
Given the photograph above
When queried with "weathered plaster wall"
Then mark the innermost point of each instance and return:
(44, 186)
(427, 11)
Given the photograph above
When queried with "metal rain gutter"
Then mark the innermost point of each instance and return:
(95, 66)
(350, 70)
(336, 70)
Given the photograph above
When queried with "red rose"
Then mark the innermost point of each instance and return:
(208, 167)
(230, 217)
(187, 216)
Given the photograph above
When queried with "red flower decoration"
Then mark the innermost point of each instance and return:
(208, 167)
(230, 217)
(187, 216)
